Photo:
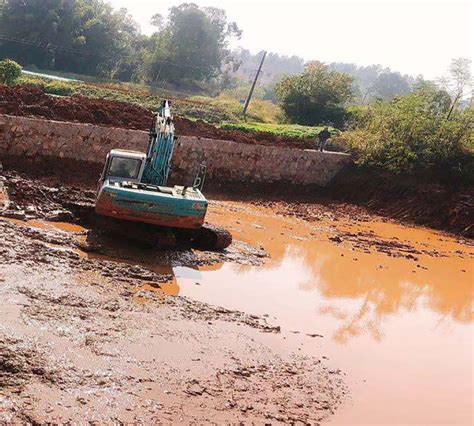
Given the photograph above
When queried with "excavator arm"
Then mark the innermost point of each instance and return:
(160, 147)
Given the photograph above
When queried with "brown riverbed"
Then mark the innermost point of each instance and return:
(339, 317)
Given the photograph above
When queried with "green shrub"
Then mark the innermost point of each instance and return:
(413, 133)
(315, 96)
(10, 72)
(285, 130)
(60, 88)
(27, 80)
(52, 87)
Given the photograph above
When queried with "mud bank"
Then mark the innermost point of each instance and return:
(91, 331)
(436, 205)
(404, 199)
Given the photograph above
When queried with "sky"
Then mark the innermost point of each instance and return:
(411, 36)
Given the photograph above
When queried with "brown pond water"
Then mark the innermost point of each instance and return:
(401, 329)
(397, 322)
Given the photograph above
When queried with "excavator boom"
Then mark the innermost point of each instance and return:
(160, 147)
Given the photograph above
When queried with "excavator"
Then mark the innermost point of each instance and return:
(133, 194)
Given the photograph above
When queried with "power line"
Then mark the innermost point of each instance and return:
(48, 45)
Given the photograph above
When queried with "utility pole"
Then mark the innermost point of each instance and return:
(253, 84)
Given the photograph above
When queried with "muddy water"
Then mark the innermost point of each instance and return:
(400, 328)
(44, 224)
(397, 321)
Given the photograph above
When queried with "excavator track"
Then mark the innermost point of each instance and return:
(211, 237)
(207, 237)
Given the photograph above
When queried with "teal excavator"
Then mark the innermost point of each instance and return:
(133, 190)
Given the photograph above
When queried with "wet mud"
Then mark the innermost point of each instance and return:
(287, 325)
(92, 329)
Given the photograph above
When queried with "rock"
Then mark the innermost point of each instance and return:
(15, 214)
(60, 216)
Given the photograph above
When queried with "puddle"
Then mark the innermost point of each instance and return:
(65, 226)
(400, 328)
(44, 224)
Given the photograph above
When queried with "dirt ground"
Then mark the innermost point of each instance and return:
(86, 337)
(93, 327)
(32, 102)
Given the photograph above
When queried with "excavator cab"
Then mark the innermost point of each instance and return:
(123, 194)
(123, 165)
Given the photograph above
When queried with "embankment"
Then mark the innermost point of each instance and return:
(27, 101)
(51, 144)
(75, 152)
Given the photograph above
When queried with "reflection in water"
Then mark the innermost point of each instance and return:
(385, 286)
(128, 253)
(377, 285)
(401, 328)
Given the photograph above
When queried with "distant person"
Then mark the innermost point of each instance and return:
(323, 136)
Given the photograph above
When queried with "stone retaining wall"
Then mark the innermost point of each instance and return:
(30, 139)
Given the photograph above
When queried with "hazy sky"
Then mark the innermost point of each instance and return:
(410, 36)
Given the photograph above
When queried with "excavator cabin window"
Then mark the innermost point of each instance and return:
(122, 167)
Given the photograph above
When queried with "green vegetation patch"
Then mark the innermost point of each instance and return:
(284, 130)
(418, 132)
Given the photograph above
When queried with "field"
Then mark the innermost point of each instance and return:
(285, 130)
(222, 111)
(219, 117)
(209, 109)
(215, 117)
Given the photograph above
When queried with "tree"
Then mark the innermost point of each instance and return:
(10, 71)
(388, 85)
(82, 36)
(192, 45)
(315, 96)
(157, 21)
(458, 81)
(275, 65)
(374, 81)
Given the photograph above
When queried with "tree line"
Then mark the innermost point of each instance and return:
(189, 47)
(90, 37)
